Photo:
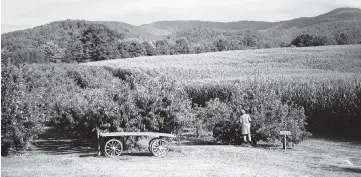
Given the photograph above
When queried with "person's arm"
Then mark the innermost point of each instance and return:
(249, 118)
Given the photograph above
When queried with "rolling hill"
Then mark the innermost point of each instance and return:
(339, 26)
(162, 28)
(336, 15)
(175, 26)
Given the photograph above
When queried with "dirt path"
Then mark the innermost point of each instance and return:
(314, 157)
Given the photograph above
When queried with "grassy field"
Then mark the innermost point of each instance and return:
(297, 63)
(314, 157)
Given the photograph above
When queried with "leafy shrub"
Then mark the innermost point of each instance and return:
(198, 49)
(182, 46)
(320, 41)
(306, 40)
(150, 48)
(20, 114)
(342, 39)
(123, 49)
(137, 48)
(251, 39)
(269, 114)
(236, 45)
(201, 94)
(94, 42)
(206, 118)
(82, 98)
(163, 47)
(303, 40)
(222, 44)
(25, 56)
(227, 132)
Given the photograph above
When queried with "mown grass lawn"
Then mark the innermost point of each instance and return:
(314, 157)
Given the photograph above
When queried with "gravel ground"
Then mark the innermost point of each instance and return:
(314, 157)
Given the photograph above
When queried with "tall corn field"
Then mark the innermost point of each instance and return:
(324, 81)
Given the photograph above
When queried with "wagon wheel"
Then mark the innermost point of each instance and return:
(150, 144)
(113, 148)
(159, 147)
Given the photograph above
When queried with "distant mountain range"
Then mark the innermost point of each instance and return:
(342, 24)
(160, 29)
(163, 28)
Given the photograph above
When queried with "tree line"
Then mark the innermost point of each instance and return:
(82, 41)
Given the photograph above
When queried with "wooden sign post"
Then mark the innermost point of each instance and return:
(285, 133)
(98, 141)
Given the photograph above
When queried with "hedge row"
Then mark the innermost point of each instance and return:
(76, 99)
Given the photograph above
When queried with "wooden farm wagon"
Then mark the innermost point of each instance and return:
(113, 146)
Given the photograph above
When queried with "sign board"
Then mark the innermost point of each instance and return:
(285, 133)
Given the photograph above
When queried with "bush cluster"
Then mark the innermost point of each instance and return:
(270, 114)
(308, 40)
(77, 99)
(330, 107)
(19, 112)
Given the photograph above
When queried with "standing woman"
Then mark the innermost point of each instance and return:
(246, 126)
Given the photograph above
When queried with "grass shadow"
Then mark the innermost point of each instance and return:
(342, 139)
(122, 156)
(90, 155)
(144, 154)
(349, 169)
(192, 140)
(53, 143)
(198, 142)
(266, 146)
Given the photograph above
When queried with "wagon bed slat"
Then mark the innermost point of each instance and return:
(153, 134)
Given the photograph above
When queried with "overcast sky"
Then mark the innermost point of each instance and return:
(21, 14)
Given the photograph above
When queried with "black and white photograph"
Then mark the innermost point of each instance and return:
(181, 88)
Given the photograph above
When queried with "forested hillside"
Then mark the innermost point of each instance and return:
(82, 41)
(339, 14)
(175, 26)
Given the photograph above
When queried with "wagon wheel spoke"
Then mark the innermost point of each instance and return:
(155, 149)
(163, 149)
